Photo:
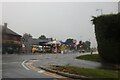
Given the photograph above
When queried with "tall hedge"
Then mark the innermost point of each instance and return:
(107, 31)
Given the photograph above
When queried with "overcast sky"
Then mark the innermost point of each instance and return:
(60, 20)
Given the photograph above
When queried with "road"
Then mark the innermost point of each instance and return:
(12, 64)
(13, 68)
(66, 59)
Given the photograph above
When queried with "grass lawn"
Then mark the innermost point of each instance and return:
(92, 73)
(90, 57)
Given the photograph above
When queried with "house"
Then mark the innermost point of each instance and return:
(11, 41)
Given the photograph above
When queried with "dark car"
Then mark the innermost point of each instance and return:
(8, 50)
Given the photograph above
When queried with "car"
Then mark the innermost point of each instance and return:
(38, 49)
(47, 49)
(8, 50)
(82, 51)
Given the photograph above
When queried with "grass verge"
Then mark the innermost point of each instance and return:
(90, 57)
(91, 73)
(96, 58)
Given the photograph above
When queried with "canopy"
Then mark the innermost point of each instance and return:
(42, 43)
(62, 42)
(54, 42)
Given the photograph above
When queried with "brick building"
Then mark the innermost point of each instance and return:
(11, 41)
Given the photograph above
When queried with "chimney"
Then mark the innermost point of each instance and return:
(5, 25)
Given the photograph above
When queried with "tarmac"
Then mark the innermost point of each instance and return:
(65, 59)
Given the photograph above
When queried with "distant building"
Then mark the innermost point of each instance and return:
(11, 41)
(34, 41)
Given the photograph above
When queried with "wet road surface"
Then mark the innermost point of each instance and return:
(12, 67)
(12, 64)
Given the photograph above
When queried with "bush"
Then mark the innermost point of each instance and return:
(107, 31)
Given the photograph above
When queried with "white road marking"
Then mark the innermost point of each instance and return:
(23, 64)
(41, 71)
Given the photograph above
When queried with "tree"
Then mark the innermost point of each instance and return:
(70, 43)
(87, 45)
(42, 37)
(80, 45)
(84, 45)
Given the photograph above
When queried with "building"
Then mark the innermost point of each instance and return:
(11, 41)
(29, 42)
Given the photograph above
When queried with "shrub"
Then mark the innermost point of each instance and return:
(107, 31)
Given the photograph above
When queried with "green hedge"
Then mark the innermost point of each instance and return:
(107, 31)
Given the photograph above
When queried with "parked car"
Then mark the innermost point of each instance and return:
(47, 49)
(82, 51)
(38, 49)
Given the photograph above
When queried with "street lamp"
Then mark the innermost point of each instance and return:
(101, 11)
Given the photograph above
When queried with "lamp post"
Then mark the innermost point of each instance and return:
(101, 11)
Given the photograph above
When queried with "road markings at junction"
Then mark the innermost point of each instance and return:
(29, 66)
(38, 70)
(23, 64)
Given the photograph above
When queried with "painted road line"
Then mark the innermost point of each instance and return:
(41, 71)
(29, 65)
(23, 64)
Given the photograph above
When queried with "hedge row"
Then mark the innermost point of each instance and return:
(107, 31)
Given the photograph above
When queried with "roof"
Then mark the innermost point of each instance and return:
(6, 30)
(37, 41)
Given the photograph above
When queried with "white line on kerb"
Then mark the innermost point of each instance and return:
(23, 64)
